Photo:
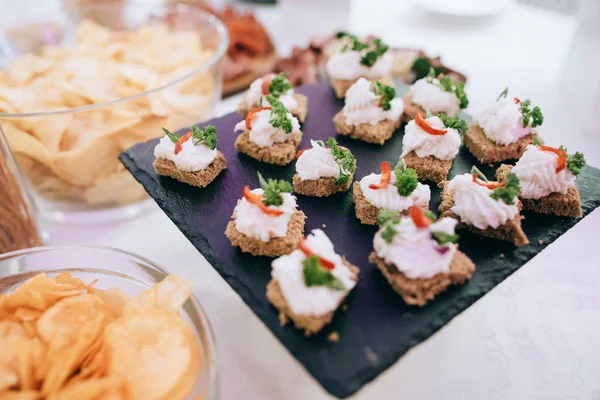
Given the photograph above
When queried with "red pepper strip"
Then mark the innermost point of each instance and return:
(267, 82)
(562, 157)
(517, 100)
(489, 185)
(386, 175)
(300, 152)
(324, 262)
(181, 141)
(418, 217)
(423, 124)
(252, 114)
(256, 199)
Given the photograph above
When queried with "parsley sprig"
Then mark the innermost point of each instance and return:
(445, 83)
(272, 190)
(206, 136)
(575, 162)
(279, 85)
(455, 123)
(406, 179)
(174, 138)
(375, 49)
(344, 159)
(534, 114)
(370, 58)
(279, 115)
(509, 191)
(386, 94)
(315, 275)
(421, 67)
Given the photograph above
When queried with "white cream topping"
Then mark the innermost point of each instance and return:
(311, 300)
(190, 158)
(255, 94)
(346, 65)
(537, 175)
(474, 206)
(317, 162)
(502, 122)
(430, 97)
(262, 133)
(388, 198)
(443, 147)
(362, 105)
(254, 223)
(414, 252)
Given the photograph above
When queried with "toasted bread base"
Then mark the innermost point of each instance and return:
(341, 86)
(299, 112)
(562, 205)
(418, 292)
(321, 187)
(366, 212)
(511, 231)
(428, 168)
(488, 152)
(200, 178)
(311, 324)
(377, 134)
(279, 153)
(411, 110)
(273, 248)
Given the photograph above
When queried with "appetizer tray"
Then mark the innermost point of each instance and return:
(377, 327)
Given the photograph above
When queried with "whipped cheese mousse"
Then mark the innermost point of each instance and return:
(547, 176)
(324, 169)
(270, 134)
(504, 129)
(431, 144)
(266, 221)
(309, 284)
(358, 59)
(278, 86)
(436, 95)
(192, 158)
(487, 208)
(371, 112)
(418, 255)
(394, 191)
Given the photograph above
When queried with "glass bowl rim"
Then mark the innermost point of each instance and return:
(146, 264)
(180, 7)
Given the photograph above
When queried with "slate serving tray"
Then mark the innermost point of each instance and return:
(377, 327)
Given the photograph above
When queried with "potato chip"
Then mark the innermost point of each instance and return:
(114, 298)
(168, 295)
(40, 293)
(92, 389)
(20, 395)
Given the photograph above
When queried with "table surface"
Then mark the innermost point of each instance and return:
(535, 336)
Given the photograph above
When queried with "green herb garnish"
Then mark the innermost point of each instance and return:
(406, 179)
(206, 136)
(509, 191)
(445, 83)
(386, 94)
(388, 232)
(343, 34)
(371, 57)
(503, 94)
(315, 275)
(536, 141)
(272, 190)
(480, 175)
(430, 215)
(422, 67)
(174, 138)
(385, 216)
(444, 238)
(279, 115)
(535, 114)
(454, 122)
(575, 162)
(344, 159)
(279, 85)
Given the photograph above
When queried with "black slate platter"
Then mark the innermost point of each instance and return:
(377, 327)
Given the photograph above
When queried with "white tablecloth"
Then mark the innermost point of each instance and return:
(535, 336)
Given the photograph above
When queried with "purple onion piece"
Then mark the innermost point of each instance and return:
(442, 250)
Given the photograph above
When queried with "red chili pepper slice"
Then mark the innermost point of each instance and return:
(181, 141)
(267, 82)
(256, 199)
(489, 185)
(562, 157)
(423, 124)
(386, 175)
(252, 114)
(324, 262)
(517, 100)
(300, 152)
(418, 217)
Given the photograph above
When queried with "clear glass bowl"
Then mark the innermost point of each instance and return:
(74, 171)
(113, 268)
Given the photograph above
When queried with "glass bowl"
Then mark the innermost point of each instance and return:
(113, 268)
(66, 135)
